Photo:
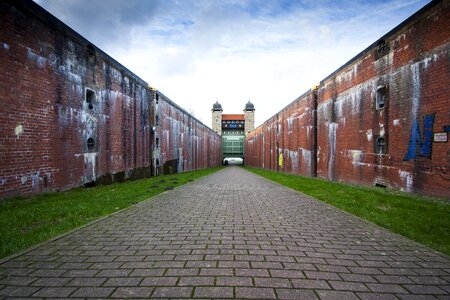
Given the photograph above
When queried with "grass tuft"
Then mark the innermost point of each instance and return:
(425, 220)
(28, 221)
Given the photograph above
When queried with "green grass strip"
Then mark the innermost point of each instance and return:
(27, 222)
(422, 219)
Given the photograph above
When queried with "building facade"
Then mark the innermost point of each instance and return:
(382, 119)
(233, 128)
(71, 115)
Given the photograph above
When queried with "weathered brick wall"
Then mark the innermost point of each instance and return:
(70, 115)
(182, 143)
(285, 142)
(413, 71)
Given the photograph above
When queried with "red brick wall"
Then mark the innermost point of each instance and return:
(185, 143)
(416, 74)
(45, 120)
(285, 141)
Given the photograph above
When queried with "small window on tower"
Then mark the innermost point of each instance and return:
(380, 100)
(156, 98)
(90, 98)
(157, 143)
(157, 120)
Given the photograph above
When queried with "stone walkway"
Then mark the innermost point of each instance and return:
(229, 235)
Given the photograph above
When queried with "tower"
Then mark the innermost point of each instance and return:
(249, 112)
(217, 117)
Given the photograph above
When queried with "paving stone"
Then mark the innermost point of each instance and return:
(322, 275)
(132, 292)
(424, 289)
(54, 292)
(295, 294)
(16, 280)
(332, 295)
(92, 292)
(50, 281)
(419, 297)
(255, 293)
(48, 273)
(123, 281)
(229, 235)
(80, 273)
(196, 281)
(18, 291)
(84, 282)
(234, 281)
(172, 292)
(348, 286)
(159, 281)
(273, 282)
(387, 288)
(358, 278)
(213, 292)
(377, 296)
(113, 273)
(216, 272)
(310, 284)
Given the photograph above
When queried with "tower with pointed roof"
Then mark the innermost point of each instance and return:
(233, 128)
(249, 116)
(217, 117)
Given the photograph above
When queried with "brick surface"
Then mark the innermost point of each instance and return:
(331, 132)
(236, 212)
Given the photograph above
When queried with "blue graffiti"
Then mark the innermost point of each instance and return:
(417, 146)
(446, 128)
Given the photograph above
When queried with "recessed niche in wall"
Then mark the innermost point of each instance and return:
(381, 97)
(90, 98)
(90, 143)
(380, 145)
(382, 48)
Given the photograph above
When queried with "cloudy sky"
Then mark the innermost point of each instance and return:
(199, 51)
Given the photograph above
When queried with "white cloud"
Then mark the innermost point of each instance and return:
(269, 52)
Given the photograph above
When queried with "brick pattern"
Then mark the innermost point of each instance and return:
(230, 235)
(47, 73)
(331, 132)
(185, 144)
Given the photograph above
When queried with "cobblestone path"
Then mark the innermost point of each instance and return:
(229, 235)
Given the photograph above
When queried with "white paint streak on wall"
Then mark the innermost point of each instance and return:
(293, 156)
(332, 128)
(396, 122)
(357, 157)
(37, 59)
(415, 70)
(289, 121)
(382, 131)
(369, 134)
(408, 178)
(18, 130)
(307, 157)
(89, 162)
(5, 46)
